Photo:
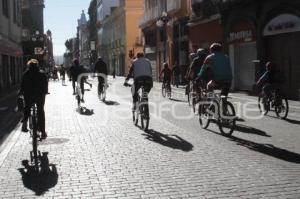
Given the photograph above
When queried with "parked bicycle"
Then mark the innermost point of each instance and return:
(275, 101)
(166, 90)
(215, 107)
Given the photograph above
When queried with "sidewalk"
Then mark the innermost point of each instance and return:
(9, 118)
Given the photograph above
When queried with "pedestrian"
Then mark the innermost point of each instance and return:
(34, 88)
(176, 74)
(62, 74)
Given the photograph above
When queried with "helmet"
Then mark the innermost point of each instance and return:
(193, 56)
(215, 47)
(76, 61)
(140, 54)
(200, 51)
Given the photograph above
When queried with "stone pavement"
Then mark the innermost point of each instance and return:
(101, 154)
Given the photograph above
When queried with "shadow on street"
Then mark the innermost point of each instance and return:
(85, 111)
(268, 149)
(250, 130)
(293, 121)
(172, 141)
(42, 181)
(111, 103)
(178, 100)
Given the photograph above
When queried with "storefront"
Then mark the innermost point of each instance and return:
(243, 53)
(282, 40)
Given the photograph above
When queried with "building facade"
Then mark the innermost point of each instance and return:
(83, 39)
(11, 66)
(120, 41)
(261, 31)
(164, 26)
(33, 36)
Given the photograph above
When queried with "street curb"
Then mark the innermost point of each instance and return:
(9, 143)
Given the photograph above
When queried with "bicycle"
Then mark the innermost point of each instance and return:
(166, 90)
(210, 109)
(35, 154)
(141, 109)
(277, 101)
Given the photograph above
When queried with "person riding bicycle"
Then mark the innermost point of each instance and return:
(166, 71)
(34, 88)
(76, 71)
(216, 68)
(141, 71)
(101, 68)
(270, 80)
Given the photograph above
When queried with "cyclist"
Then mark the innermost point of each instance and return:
(75, 71)
(141, 71)
(101, 67)
(216, 68)
(34, 87)
(270, 80)
(166, 71)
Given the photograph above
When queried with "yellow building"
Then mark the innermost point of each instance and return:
(121, 35)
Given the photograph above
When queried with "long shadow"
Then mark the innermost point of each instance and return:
(111, 103)
(250, 130)
(85, 111)
(39, 181)
(172, 141)
(267, 149)
(293, 121)
(178, 100)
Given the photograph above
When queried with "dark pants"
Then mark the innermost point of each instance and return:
(168, 82)
(145, 81)
(176, 80)
(73, 85)
(223, 85)
(40, 102)
(100, 84)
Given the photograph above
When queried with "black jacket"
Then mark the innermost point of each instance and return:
(100, 67)
(34, 84)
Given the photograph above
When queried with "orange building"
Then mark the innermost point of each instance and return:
(121, 35)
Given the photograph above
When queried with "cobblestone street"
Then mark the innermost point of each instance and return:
(101, 154)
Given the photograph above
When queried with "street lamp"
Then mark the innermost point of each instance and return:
(163, 21)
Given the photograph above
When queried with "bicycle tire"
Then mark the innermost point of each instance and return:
(144, 117)
(35, 140)
(221, 125)
(204, 119)
(278, 109)
(263, 108)
(163, 90)
(169, 92)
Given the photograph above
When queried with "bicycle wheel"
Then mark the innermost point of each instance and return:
(282, 108)
(169, 92)
(34, 141)
(204, 116)
(163, 90)
(227, 120)
(263, 105)
(144, 117)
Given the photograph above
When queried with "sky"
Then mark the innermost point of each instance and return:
(60, 16)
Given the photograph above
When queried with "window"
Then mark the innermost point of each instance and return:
(5, 8)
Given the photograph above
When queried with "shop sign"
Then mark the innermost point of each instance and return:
(241, 32)
(245, 35)
(284, 23)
